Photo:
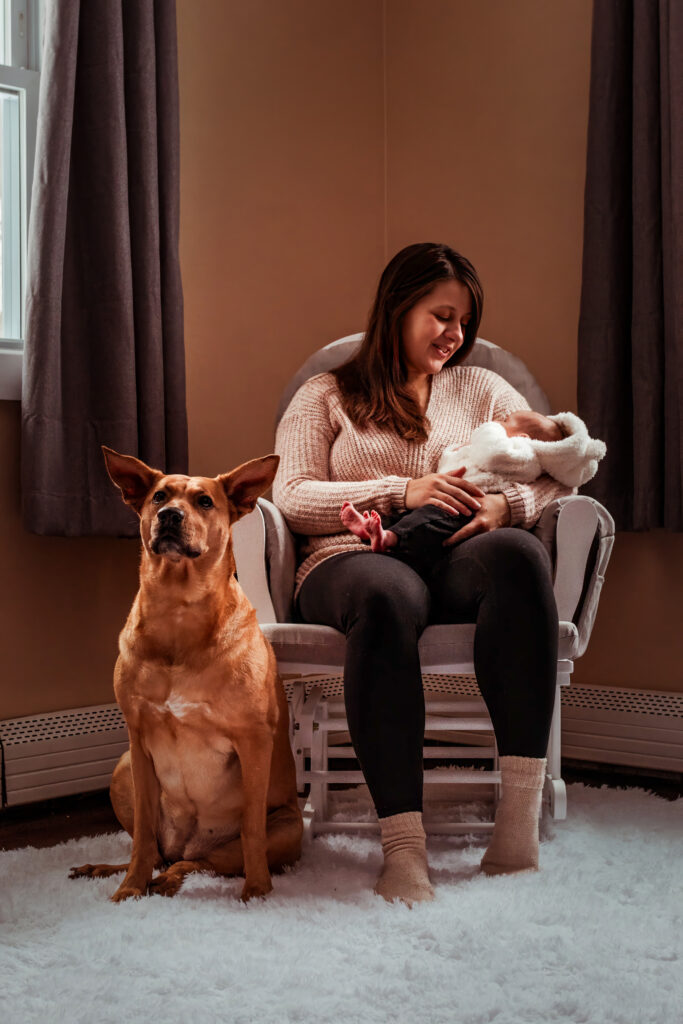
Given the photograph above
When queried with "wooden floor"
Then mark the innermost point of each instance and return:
(54, 821)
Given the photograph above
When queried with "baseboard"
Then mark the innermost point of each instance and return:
(75, 751)
(60, 753)
(634, 729)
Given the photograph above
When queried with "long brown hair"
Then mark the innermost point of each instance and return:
(372, 382)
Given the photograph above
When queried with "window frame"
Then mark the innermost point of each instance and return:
(22, 37)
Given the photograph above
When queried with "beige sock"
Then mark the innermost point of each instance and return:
(405, 875)
(514, 844)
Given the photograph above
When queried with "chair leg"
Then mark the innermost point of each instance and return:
(555, 791)
(297, 703)
(307, 743)
(318, 794)
(497, 787)
(308, 815)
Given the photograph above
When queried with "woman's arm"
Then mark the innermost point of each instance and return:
(302, 490)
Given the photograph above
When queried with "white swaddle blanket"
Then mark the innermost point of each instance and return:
(492, 459)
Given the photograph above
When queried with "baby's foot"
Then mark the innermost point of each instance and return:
(380, 539)
(354, 521)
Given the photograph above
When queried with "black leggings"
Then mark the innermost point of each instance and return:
(500, 580)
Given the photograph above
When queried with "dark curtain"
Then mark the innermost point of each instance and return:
(104, 360)
(631, 325)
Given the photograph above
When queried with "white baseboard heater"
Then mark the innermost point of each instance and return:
(60, 753)
(633, 728)
(75, 751)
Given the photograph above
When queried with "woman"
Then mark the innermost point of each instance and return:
(372, 432)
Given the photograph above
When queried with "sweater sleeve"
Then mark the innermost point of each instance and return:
(526, 501)
(302, 490)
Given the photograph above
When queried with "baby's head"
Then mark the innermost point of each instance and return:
(525, 423)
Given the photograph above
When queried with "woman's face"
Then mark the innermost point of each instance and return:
(434, 328)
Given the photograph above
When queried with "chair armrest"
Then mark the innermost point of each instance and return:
(578, 533)
(249, 551)
(265, 557)
(280, 556)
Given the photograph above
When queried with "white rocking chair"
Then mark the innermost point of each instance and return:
(577, 532)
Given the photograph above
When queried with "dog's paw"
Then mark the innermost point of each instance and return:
(250, 889)
(85, 871)
(128, 892)
(97, 870)
(165, 884)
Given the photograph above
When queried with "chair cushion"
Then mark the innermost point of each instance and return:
(441, 647)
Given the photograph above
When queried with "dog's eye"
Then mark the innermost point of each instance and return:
(159, 497)
(205, 501)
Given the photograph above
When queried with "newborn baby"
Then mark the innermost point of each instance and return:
(517, 449)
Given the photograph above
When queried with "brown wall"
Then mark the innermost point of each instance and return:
(282, 172)
(287, 220)
(486, 148)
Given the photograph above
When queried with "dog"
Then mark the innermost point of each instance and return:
(209, 782)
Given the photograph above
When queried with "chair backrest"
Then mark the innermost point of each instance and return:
(484, 353)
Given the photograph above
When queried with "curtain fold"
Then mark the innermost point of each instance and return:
(104, 360)
(630, 384)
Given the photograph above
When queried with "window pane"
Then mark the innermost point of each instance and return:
(10, 216)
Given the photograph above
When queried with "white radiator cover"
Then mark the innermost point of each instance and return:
(61, 752)
(75, 751)
(634, 728)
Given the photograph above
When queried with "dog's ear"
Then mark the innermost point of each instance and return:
(248, 482)
(133, 477)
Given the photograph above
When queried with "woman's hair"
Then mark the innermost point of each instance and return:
(372, 382)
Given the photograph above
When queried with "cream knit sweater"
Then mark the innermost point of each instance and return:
(326, 459)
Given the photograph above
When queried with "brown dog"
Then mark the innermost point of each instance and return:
(209, 782)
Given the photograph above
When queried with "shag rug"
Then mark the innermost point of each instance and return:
(595, 936)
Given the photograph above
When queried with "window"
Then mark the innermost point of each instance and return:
(20, 52)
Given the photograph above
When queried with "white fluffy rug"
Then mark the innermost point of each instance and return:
(595, 936)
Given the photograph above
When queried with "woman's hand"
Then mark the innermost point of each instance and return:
(494, 512)
(449, 491)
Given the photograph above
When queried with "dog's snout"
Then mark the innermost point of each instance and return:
(171, 516)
